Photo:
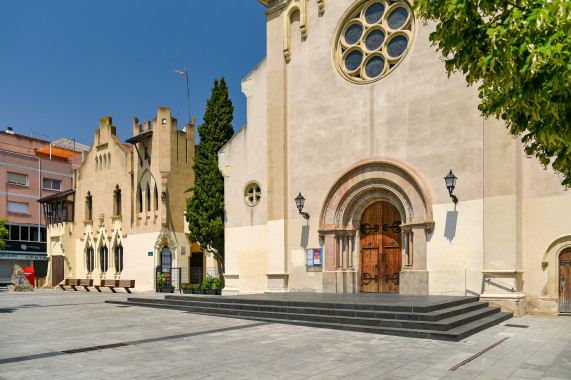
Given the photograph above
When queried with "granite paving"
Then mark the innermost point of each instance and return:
(54, 334)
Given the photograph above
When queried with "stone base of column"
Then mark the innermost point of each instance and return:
(413, 282)
(350, 281)
(339, 286)
(513, 302)
(502, 289)
(329, 281)
(277, 282)
(231, 284)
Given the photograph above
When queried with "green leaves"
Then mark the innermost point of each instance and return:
(519, 52)
(3, 232)
(205, 208)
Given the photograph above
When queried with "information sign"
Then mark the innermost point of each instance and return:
(314, 257)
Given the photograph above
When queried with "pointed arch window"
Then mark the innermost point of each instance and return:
(104, 258)
(89, 259)
(89, 206)
(148, 198)
(119, 258)
(156, 198)
(166, 259)
(139, 198)
(117, 201)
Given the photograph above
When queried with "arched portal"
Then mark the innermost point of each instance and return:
(352, 194)
(565, 281)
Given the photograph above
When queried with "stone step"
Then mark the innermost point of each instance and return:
(454, 334)
(310, 309)
(442, 325)
(405, 307)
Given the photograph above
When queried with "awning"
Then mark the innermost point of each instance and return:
(19, 255)
(139, 137)
(57, 151)
(61, 194)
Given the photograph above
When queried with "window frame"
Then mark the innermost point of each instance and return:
(51, 182)
(18, 212)
(90, 259)
(27, 184)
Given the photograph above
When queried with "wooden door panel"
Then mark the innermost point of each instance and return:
(565, 281)
(57, 270)
(381, 254)
(370, 270)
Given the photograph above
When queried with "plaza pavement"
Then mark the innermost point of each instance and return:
(40, 330)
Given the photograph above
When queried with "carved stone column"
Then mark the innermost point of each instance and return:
(414, 276)
(351, 247)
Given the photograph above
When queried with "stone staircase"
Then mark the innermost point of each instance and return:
(428, 317)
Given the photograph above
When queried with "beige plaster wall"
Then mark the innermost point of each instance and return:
(303, 235)
(455, 249)
(244, 158)
(248, 258)
(60, 243)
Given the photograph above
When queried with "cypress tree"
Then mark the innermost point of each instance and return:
(205, 208)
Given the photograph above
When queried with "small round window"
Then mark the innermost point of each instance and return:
(372, 38)
(252, 193)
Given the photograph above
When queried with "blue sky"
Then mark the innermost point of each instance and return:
(66, 64)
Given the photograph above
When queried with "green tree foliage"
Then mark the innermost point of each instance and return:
(3, 232)
(519, 54)
(205, 208)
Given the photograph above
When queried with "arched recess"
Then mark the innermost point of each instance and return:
(352, 193)
(165, 239)
(551, 264)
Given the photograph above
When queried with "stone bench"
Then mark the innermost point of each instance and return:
(73, 282)
(112, 284)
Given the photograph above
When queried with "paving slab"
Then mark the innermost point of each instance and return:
(63, 334)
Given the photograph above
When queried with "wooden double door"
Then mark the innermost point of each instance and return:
(380, 244)
(565, 281)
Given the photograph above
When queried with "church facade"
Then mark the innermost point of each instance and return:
(352, 110)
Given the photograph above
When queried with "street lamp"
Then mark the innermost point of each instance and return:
(450, 185)
(299, 202)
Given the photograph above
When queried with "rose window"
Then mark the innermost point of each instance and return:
(252, 193)
(372, 38)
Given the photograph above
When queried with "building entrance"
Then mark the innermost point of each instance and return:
(565, 281)
(380, 246)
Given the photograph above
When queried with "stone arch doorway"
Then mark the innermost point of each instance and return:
(565, 281)
(551, 263)
(380, 248)
(340, 222)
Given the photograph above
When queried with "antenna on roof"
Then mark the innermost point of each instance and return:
(185, 75)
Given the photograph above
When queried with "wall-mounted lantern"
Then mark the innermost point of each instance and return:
(450, 185)
(299, 202)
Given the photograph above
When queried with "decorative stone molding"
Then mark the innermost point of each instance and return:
(165, 234)
(372, 38)
(289, 7)
(550, 264)
(347, 200)
(370, 182)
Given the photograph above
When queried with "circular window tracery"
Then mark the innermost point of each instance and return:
(252, 193)
(372, 38)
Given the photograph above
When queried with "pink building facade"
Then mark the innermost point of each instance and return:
(30, 169)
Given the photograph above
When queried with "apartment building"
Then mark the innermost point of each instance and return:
(31, 168)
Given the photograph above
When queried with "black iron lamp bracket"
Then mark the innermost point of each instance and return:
(304, 214)
(454, 198)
